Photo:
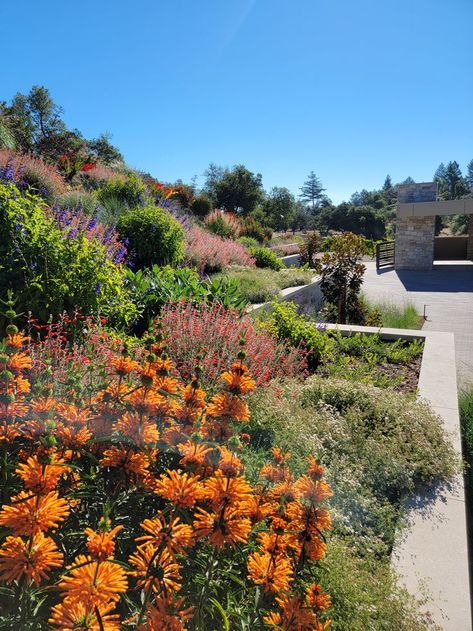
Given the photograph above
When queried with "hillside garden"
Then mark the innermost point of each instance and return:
(170, 462)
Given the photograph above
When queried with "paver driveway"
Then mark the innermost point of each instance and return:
(446, 292)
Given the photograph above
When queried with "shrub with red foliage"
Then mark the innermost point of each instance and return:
(214, 333)
(93, 178)
(211, 253)
(25, 170)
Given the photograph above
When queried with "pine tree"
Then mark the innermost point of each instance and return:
(388, 185)
(440, 173)
(312, 191)
(469, 170)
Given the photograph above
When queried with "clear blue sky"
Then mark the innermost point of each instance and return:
(352, 89)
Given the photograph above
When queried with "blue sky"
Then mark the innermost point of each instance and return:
(352, 89)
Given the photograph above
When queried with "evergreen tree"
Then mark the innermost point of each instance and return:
(239, 190)
(280, 207)
(388, 185)
(312, 191)
(469, 170)
(440, 172)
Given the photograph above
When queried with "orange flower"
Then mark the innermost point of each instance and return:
(93, 583)
(134, 463)
(77, 616)
(73, 437)
(194, 454)
(223, 491)
(17, 340)
(182, 489)
(41, 478)
(30, 560)
(101, 545)
(317, 599)
(274, 573)
(148, 402)
(18, 362)
(227, 526)
(124, 365)
(175, 536)
(228, 407)
(155, 569)
(167, 613)
(138, 430)
(9, 431)
(230, 465)
(29, 514)
(238, 380)
(316, 471)
(295, 615)
(314, 491)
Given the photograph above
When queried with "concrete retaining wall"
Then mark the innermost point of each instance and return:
(309, 298)
(292, 259)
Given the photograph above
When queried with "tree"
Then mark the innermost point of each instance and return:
(239, 190)
(103, 149)
(312, 191)
(363, 220)
(469, 177)
(342, 276)
(451, 183)
(280, 207)
(440, 172)
(387, 183)
(388, 191)
(213, 174)
(302, 218)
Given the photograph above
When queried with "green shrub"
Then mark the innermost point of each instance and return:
(152, 288)
(252, 227)
(265, 257)
(86, 201)
(262, 285)
(49, 271)
(121, 193)
(154, 236)
(249, 242)
(395, 316)
(201, 205)
(289, 325)
(309, 250)
(378, 447)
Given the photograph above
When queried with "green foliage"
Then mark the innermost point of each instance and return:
(253, 226)
(363, 220)
(104, 151)
(309, 249)
(122, 193)
(312, 192)
(262, 285)
(288, 324)
(201, 205)
(84, 200)
(248, 241)
(378, 447)
(397, 317)
(366, 593)
(50, 272)
(7, 139)
(280, 208)
(152, 288)
(154, 236)
(265, 257)
(466, 418)
(238, 190)
(224, 225)
(342, 276)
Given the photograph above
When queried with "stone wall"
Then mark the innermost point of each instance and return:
(469, 247)
(414, 243)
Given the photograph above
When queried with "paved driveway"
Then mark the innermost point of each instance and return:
(447, 294)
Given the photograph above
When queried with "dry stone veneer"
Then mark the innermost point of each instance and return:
(415, 243)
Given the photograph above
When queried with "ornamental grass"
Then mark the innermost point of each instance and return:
(126, 504)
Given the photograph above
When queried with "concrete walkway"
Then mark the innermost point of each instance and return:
(447, 294)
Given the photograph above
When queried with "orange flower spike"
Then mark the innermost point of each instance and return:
(124, 365)
(41, 478)
(182, 489)
(17, 340)
(137, 430)
(176, 536)
(295, 615)
(101, 545)
(228, 407)
(273, 573)
(221, 491)
(316, 471)
(93, 583)
(19, 362)
(29, 514)
(134, 463)
(158, 571)
(20, 559)
(194, 396)
(227, 526)
(194, 454)
(167, 613)
(230, 465)
(75, 615)
(313, 491)
(317, 599)
(237, 379)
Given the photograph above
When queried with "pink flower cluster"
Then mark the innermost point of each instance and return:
(211, 253)
(213, 333)
(33, 172)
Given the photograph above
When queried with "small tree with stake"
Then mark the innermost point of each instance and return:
(342, 276)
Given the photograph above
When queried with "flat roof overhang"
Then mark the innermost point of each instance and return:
(427, 209)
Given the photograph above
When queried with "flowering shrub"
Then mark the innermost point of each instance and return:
(95, 178)
(52, 268)
(225, 224)
(210, 253)
(215, 333)
(26, 171)
(127, 504)
(75, 162)
(265, 257)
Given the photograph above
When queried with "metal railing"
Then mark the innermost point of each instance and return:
(385, 251)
